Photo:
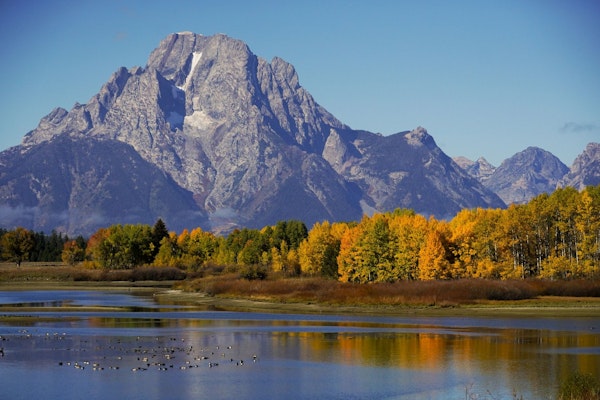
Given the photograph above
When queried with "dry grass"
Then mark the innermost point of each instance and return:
(221, 283)
(414, 293)
(580, 386)
(56, 272)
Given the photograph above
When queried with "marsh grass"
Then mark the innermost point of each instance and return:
(411, 293)
(56, 272)
(224, 281)
(580, 386)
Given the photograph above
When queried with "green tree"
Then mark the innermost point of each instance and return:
(159, 232)
(122, 246)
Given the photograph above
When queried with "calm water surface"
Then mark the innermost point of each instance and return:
(130, 347)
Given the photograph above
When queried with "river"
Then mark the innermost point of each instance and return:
(81, 344)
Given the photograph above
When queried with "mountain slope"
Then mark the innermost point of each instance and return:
(585, 170)
(407, 170)
(480, 169)
(80, 185)
(250, 144)
(525, 175)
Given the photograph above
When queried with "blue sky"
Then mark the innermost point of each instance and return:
(486, 78)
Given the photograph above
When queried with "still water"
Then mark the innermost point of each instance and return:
(124, 346)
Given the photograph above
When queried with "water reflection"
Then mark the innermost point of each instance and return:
(185, 353)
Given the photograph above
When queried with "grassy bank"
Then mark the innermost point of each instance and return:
(58, 272)
(322, 295)
(434, 293)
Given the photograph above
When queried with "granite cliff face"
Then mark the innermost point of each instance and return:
(240, 136)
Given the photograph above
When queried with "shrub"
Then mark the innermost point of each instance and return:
(253, 272)
(573, 288)
(157, 274)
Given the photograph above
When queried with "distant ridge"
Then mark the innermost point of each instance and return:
(534, 171)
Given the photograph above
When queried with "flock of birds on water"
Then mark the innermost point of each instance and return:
(133, 354)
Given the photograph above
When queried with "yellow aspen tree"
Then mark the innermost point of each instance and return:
(587, 223)
(16, 245)
(313, 251)
(169, 253)
(349, 259)
(292, 262)
(407, 237)
(276, 260)
(433, 263)
(463, 243)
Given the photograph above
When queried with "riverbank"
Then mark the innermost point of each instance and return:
(322, 296)
(545, 306)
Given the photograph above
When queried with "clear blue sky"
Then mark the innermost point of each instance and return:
(486, 78)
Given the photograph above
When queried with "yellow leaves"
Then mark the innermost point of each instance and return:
(433, 262)
(553, 236)
(392, 247)
(317, 254)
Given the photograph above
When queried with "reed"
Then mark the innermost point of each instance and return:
(580, 386)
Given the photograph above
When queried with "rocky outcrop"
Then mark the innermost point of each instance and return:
(480, 169)
(585, 170)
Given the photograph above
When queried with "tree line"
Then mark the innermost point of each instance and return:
(552, 236)
(20, 245)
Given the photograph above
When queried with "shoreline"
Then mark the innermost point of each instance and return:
(546, 306)
(542, 307)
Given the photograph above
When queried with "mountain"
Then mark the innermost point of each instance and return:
(585, 170)
(525, 175)
(480, 169)
(78, 185)
(208, 120)
(534, 171)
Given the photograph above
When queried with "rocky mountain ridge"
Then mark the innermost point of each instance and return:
(215, 133)
(585, 170)
(534, 171)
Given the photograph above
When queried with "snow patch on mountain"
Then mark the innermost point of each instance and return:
(196, 56)
(200, 120)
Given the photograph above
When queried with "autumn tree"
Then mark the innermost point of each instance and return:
(318, 252)
(16, 245)
(169, 252)
(433, 256)
(476, 243)
(365, 252)
(200, 248)
(587, 223)
(408, 232)
(73, 252)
